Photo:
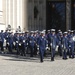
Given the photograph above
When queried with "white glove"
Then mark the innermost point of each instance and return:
(46, 48)
(8, 43)
(57, 46)
(51, 44)
(69, 45)
(47, 45)
(23, 41)
(38, 48)
(7, 36)
(19, 44)
(62, 45)
(13, 43)
(27, 43)
(16, 41)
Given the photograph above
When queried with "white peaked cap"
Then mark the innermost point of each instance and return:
(53, 30)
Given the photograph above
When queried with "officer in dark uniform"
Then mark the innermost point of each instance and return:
(27, 41)
(2, 40)
(42, 42)
(23, 45)
(68, 36)
(35, 43)
(20, 42)
(65, 45)
(6, 34)
(71, 45)
(17, 42)
(49, 39)
(31, 43)
(10, 42)
(53, 43)
(59, 37)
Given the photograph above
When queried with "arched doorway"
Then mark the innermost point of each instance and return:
(56, 15)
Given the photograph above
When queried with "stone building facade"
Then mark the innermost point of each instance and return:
(29, 14)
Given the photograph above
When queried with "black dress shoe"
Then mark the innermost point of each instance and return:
(41, 61)
(52, 59)
(72, 57)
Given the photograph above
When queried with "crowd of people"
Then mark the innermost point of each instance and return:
(38, 42)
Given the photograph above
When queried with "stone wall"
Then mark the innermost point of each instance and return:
(36, 14)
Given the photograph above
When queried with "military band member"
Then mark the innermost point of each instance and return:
(65, 45)
(68, 36)
(42, 42)
(17, 43)
(49, 39)
(53, 44)
(71, 45)
(10, 42)
(31, 43)
(35, 43)
(20, 42)
(1, 40)
(23, 45)
(59, 37)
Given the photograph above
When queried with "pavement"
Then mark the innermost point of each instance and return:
(18, 65)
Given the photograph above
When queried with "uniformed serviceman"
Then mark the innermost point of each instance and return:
(23, 44)
(53, 43)
(49, 39)
(59, 37)
(68, 36)
(42, 42)
(27, 41)
(10, 42)
(31, 43)
(71, 45)
(16, 37)
(1, 40)
(35, 43)
(6, 34)
(20, 42)
(65, 45)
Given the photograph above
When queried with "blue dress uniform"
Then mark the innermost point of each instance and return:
(23, 45)
(59, 37)
(1, 41)
(27, 41)
(42, 42)
(35, 44)
(10, 42)
(6, 34)
(49, 39)
(68, 36)
(71, 45)
(53, 44)
(17, 43)
(31, 44)
(65, 45)
(20, 43)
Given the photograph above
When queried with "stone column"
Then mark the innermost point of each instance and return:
(68, 14)
(3, 16)
(19, 13)
(14, 14)
(24, 14)
(7, 13)
(11, 13)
